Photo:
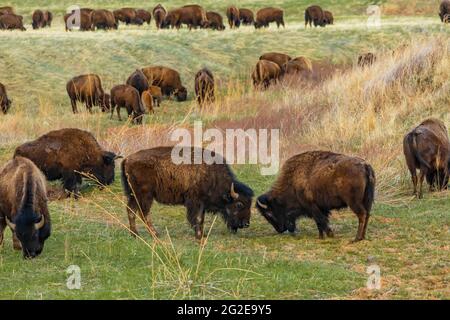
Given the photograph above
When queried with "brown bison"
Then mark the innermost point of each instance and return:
(265, 73)
(247, 17)
(147, 101)
(125, 15)
(267, 15)
(328, 17)
(156, 93)
(168, 80)
(125, 96)
(234, 19)
(5, 103)
(204, 87)
(88, 90)
(159, 14)
(6, 10)
(85, 23)
(444, 9)
(215, 21)
(67, 155)
(144, 15)
(41, 19)
(23, 206)
(314, 14)
(299, 66)
(279, 58)
(104, 19)
(366, 59)
(138, 80)
(150, 175)
(312, 184)
(193, 16)
(11, 22)
(427, 148)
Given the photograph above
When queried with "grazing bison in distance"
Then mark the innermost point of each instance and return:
(11, 22)
(279, 58)
(233, 17)
(168, 80)
(204, 86)
(444, 9)
(427, 148)
(138, 80)
(312, 184)
(88, 90)
(151, 175)
(159, 14)
(366, 59)
(265, 73)
(267, 15)
(41, 19)
(314, 14)
(104, 19)
(247, 17)
(125, 15)
(85, 23)
(144, 15)
(215, 21)
(156, 93)
(328, 17)
(5, 103)
(193, 16)
(299, 65)
(67, 154)
(23, 206)
(125, 96)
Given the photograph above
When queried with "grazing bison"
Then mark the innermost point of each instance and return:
(150, 175)
(85, 23)
(366, 59)
(144, 15)
(444, 9)
(328, 17)
(267, 15)
(125, 15)
(129, 98)
(67, 154)
(11, 22)
(279, 58)
(246, 16)
(193, 16)
(204, 87)
(23, 206)
(5, 103)
(104, 19)
(234, 19)
(314, 14)
(215, 21)
(159, 14)
(156, 93)
(312, 184)
(41, 19)
(138, 80)
(168, 80)
(265, 73)
(299, 65)
(427, 148)
(88, 90)
(147, 101)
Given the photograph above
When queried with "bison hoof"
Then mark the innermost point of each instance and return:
(330, 234)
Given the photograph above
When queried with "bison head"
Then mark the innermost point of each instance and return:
(238, 203)
(105, 102)
(275, 213)
(6, 105)
(181, 94)
(104, 172)
(258, 25)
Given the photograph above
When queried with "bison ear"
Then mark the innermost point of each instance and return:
(109, 157)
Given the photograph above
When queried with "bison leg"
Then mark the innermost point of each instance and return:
(118, 113)
(74, 105)
(132, 208)
(143, 209)
(363, 219)
(421, 179)
(70, 181)
(196, 218)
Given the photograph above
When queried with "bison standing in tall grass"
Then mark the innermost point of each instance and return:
(315, 15)
(246, 16)
(265, 73)
(11, 22)
(125, 15)
(427, 148)
(144, 15)
(88, 90)
(298, 66)
(215, 21)
(312, 184)
(204, 87)
(267, 15)
(444, 9)
(168, 80)
(152, 175)
(42, 19)
(104, 20)
(328, 16)
(193, 16)
(233, 17)
(126, 96)
(85, 23)
(279, 58)
(159, 14)
(5, 103)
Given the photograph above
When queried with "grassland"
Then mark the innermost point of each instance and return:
(359, 112)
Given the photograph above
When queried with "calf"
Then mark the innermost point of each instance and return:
(129, 98)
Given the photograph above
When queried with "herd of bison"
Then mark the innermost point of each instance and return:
(310, 184)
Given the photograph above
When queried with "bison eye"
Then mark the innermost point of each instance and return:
(239, 205)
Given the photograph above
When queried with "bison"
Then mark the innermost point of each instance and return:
(366, 59)
(193, 16)
(85, 23)
(5, 103)
(23, 206)
(129, 98)
(41, 19)
(247, 17)
(215, 21)
(427, 148)
(159, 14)
(67, 155)
(168, 80)
(234, 19)
(311, 184)
(299, 65)
(444, 9)
(267, 15)
(314, 14)
(204, 87)
(279, 58)
(147, 101)
(152, 174)
(11, 22)
(144, 15)
(125, 15)
(138, 80)
(328, 17)
(88, 90)
(156, 93)
(104, 19)
(265, 73)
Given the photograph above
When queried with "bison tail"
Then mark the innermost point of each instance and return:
(369, 193)
(125, 183)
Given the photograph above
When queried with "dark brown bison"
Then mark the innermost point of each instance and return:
(444, 9)
(193, 16)
(328, 17)
(88, 90)
(279, 58)
(314, 14)
(68, 155)
(246, 16)
(125, 15)
(5, 103)
(125, 96)
(366, 59)
(159, 14)
(41, 19)
(265, 73)
(6, 10)
(138, 80)
(11, 22)
(147, 101)
(427, 148)
(215, 21)
(23, 206)
(267, 15)
(168, 80)
(299, 66)
(204, 87)
(312, 184)
(234, 19)
(104, 19)
(156, 93)
(144, 15)
(152, 175)
(85, 23)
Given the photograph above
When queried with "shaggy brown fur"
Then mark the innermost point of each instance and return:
(279, 58)
(104, 19)
(138, 80)
(88, 90)
(68, 153)
(85, 21)
(427, 148)
(159, 14)
(247, 17)
(193, 16)
(444, 9)
(215, 21)
(42, 19)
(233, 17)
(265, 73)
(204, 87)
(125, 15)
(23, 206)
(147, 101)
(267, 15)
(328, 17)
(300, 66)
(125, 96)
(314, 14)
(167, 79)
(5, 103)
(151, 174)
(312, 184)
(6, 10)
(11, 22)
(156, 93)
(366, 59)
(144, 15)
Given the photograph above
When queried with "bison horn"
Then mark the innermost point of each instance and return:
(40, 224)
(264, 206)
(118, 157)
(10, 224)
(234, 195)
